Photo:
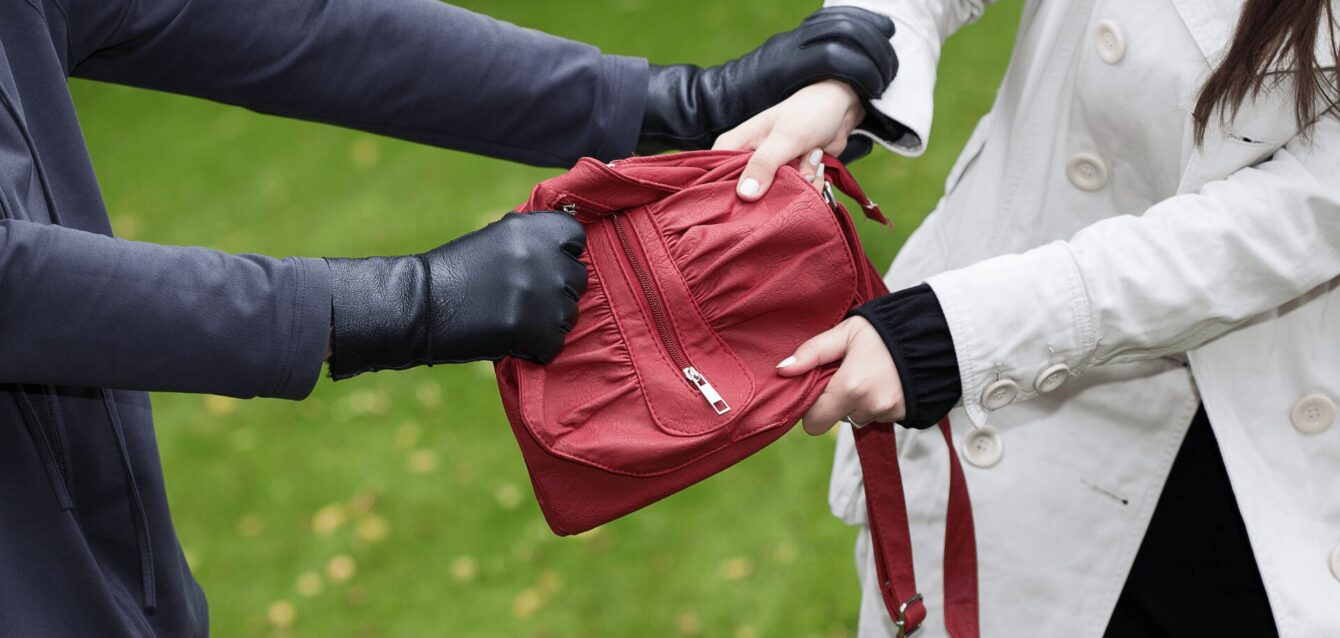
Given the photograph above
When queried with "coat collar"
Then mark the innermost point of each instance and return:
(1211, 23)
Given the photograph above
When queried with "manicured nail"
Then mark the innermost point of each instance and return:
(786, 362)
(749, 187)
(816, 157)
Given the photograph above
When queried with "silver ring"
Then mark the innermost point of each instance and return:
(852, 422)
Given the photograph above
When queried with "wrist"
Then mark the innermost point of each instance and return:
(915, 330)
(379, 314)
(672, 119)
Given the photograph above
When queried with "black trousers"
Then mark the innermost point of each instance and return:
(1195, 574)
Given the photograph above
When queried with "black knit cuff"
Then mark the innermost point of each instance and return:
(914, 328)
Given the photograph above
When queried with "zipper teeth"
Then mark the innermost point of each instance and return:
(653, 298)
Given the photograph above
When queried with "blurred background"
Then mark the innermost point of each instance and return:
(397, 504)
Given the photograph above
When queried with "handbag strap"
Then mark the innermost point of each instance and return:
(886, 503)
(836, 173)
(887, 508)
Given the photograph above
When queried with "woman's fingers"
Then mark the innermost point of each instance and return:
(837, 146)
(825, 347)
(866, 386)
(810, 169)
(744, 136)
(776, 150)
(818, 116)
(834, 403)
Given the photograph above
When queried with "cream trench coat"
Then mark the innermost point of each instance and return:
(1102, 276)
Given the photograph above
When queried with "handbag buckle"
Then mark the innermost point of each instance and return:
(901, 620)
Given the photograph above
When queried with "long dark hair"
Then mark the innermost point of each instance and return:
(1275, 40)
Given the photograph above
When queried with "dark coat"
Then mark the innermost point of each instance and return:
(88, 323)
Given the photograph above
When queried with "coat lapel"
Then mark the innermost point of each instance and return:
(1211, 24)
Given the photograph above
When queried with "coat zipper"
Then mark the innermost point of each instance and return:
(38, 431)
(695, 378)
(53, 430)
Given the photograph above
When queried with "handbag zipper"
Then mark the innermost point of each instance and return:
(695, 378)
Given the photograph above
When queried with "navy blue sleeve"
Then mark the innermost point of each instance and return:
(82, 309)
(914, 328)
(415, 69)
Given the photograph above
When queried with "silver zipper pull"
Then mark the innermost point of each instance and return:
(705, 388)
(570, 209)
(827, 193)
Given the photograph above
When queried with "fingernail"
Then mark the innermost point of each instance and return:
(820, 175)
(749, 187)
(816, 157)
(786, 362)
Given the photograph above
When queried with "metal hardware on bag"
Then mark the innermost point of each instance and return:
(827, 194)
(660, 318)
(705, 388)
(570, 209)
(901, 621)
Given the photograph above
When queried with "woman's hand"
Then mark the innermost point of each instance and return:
(817, 117)
(866, 386)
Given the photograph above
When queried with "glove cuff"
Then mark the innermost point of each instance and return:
(672, 119)
(379, 314)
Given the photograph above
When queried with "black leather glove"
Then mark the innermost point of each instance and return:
(689, 106)
(508, 289)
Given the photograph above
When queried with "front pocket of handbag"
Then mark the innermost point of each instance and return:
(643, 386)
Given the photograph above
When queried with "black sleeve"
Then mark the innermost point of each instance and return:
(914, 328)
(416, 69)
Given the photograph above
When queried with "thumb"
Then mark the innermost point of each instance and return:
(825, 347)
(776, 150)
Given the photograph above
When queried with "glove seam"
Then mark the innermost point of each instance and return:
(428, 309)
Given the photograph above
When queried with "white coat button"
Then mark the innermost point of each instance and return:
(1052, 378)
(1000, 394)
(1313, 413)
(1087, 171)
(1108, 41)
(983, 446)
(1335, 563)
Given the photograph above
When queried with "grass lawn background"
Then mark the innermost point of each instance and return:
(397, 504)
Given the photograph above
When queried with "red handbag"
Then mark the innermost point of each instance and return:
(669, 375)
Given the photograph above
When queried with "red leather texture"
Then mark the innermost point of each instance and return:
(669, 375)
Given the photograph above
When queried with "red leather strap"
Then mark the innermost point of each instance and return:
(837, 174)
(887, 508)
(886, 505)
(960, 561)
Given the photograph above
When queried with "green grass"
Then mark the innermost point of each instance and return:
(413, 479)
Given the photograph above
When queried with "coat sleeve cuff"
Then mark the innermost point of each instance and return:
(915, 330)
(900, 120)
(621, 104)
(309, 321)
(1015, 319)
